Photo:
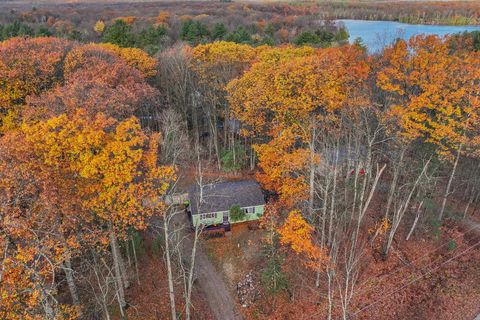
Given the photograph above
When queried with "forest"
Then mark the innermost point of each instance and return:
(369, 164)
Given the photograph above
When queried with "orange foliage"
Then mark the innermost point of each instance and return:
(67, 178)
(285, 94)
(128, 19)
(297, 234)
(433, 92)
(28, 66)
(163, 17)
(98, 82)
(90, 53)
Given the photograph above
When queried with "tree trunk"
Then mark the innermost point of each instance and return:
(311, 197)
(71, 283)
(449, 184)
(123, 269)
(400, 212)
(118, 275)
(135, 260)
(188, 298)
(417, 216)
(171, 292)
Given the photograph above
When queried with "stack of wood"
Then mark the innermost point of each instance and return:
(246, 291)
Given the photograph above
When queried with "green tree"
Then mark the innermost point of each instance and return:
(16, 29)
(120, 33)
(219, 31)
(326, 37)
(273, 279)
(240, 35)
(233, 159)
(269, 30)
(194, 32)
(359, 43)
(43, 31)
(307, 38)
(150, 37)
(342, 35)
(75, 35)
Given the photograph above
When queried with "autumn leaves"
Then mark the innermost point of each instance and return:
(294, 101)
(76, 169)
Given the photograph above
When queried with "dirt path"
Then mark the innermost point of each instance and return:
(211, 283)
(210, 280)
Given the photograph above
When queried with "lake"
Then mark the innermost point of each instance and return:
(377, 34)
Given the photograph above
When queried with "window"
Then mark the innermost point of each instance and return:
(205, 216)
(249, 210)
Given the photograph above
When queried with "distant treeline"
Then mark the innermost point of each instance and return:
(434, 12)
(152, 26)
(153, 33)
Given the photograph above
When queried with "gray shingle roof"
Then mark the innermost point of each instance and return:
(223, 195)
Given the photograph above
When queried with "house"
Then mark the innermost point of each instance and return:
(212, 205)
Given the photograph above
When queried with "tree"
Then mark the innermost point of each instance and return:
(240, 35)
(99, 27)
(307, 38)
(433, 96)
(100, 80)
(273, 278)
(297, 234)
(150, 38)
(119, 178)
(193, 31)
(120, 33)
(236, 213)
(219, 31)
(294, 89)
(28, 66)
(215, 65)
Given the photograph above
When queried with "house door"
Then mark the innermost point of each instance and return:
(225, 217)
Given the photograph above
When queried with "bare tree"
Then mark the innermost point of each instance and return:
(175, 144)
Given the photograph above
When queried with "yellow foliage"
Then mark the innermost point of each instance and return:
(136, 58)
(99, 27)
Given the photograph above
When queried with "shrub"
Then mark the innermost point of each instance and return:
(236, 213)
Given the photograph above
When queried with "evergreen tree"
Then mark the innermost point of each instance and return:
(273, 279)
(17, 29)
(194, 32)
(269, 30)
(120, 33)
(342, 35)
(219, 31)
(43, 31)
(307, 38)
(150, 37)
(240, 35)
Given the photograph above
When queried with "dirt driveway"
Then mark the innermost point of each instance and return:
(210, 281)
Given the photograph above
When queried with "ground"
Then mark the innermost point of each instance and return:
(149, 299)
(434, 275)
(435, 280)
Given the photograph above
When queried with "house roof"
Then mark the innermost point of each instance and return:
(223, 195)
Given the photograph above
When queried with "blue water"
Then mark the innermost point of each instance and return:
(378, 34)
